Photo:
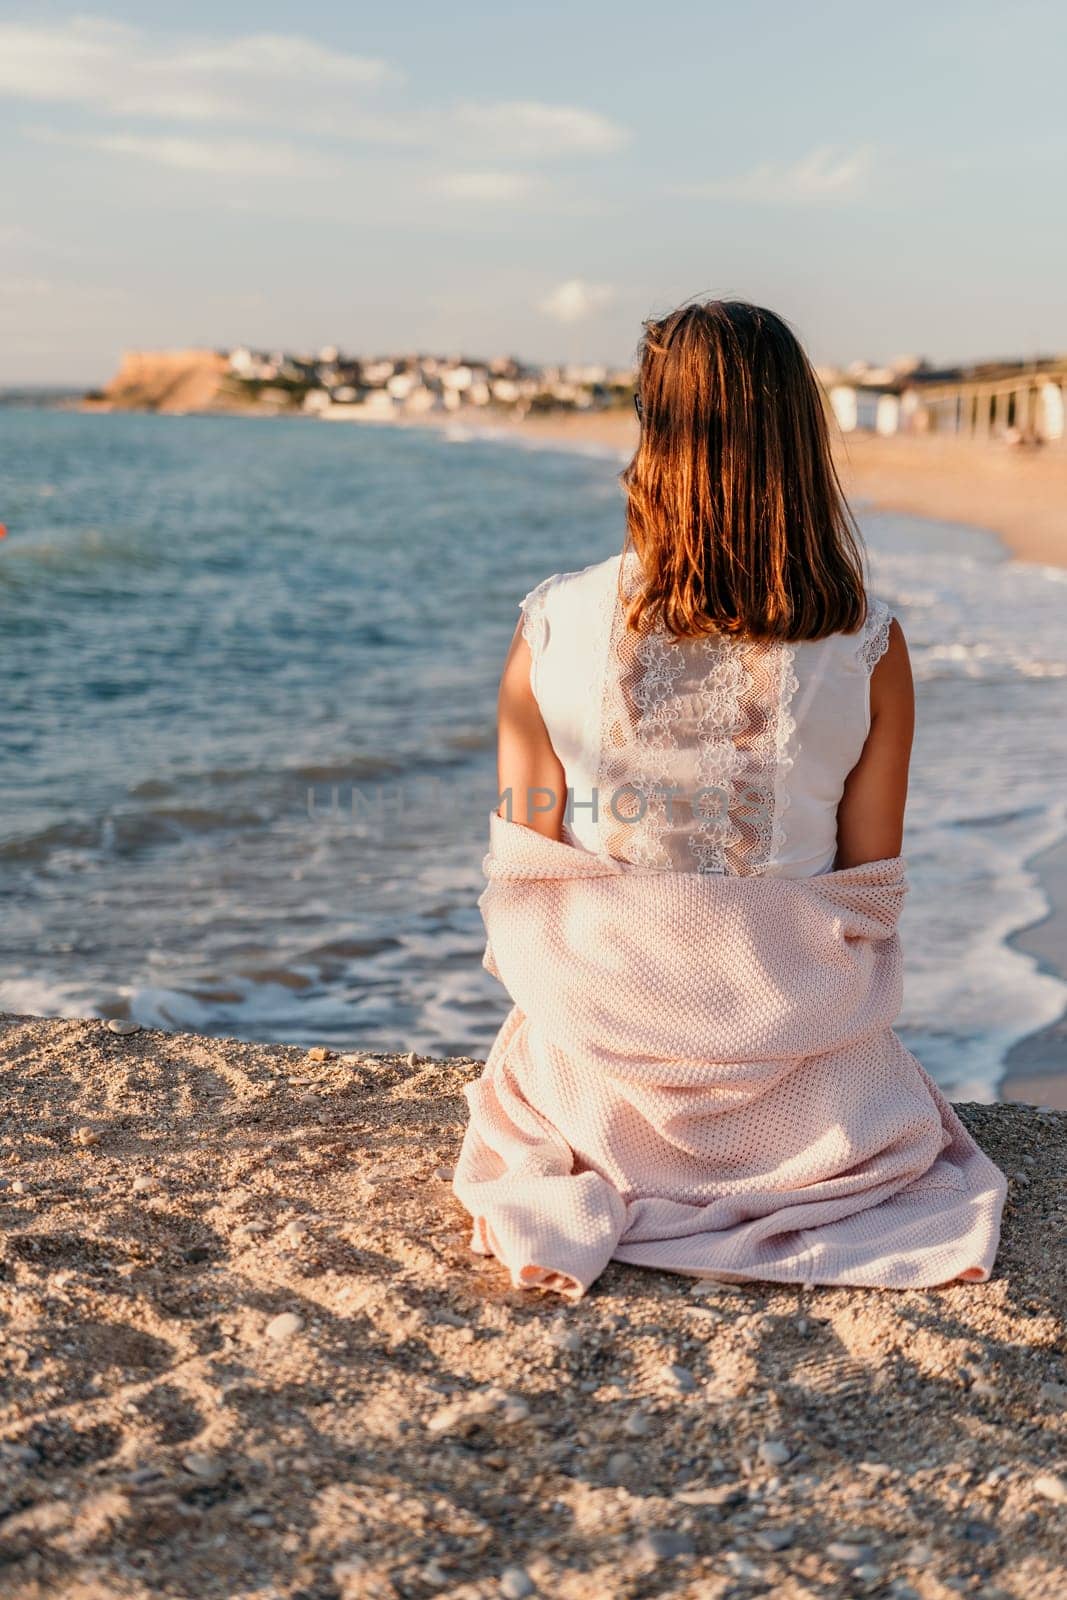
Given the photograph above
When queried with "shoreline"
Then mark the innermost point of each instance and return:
(249, 1347)
(1035, 1069)
(1016, 494)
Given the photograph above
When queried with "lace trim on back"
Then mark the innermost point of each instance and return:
(694, 747)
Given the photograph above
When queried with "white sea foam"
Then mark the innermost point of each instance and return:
(35, 997)
(989, 774)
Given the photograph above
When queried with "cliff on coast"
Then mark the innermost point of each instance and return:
(167, 380)
(246, 1348)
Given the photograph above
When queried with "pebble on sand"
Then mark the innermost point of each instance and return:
(720, 1494)
(775, 1538)
(850, 1552)
(1051, 1486)
(773, 1452)
(284, 1326)
(665, 1544)
(86, 1136)
(123, 1026)
(516, 1584)
(637, 1424)
(566, 1339)
(462, 1417)
(679, 1378)
(739, 1566)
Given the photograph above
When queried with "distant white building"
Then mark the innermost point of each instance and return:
(421, 399)
(1051, 410)
(252, 365)
(401, 384)
(456, 379)
(866, 408)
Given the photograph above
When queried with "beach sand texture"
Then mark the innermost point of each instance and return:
(246, 1351)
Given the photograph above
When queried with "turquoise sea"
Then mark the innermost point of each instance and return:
(247, 730)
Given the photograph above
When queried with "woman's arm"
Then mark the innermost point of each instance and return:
(526, 761)
(870, 817)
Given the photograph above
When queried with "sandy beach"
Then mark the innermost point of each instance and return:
(247, 1352)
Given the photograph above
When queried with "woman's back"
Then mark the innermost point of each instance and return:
(715, 753)
(698, 1070)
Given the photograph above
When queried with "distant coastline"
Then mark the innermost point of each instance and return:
(994, 480)
(333, 386)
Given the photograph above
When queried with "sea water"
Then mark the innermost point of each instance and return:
(248, 730)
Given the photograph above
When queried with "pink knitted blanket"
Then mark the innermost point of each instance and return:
(699, 1073)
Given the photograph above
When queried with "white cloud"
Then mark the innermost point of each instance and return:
(246, 158)
(530, 128)
(284, 83)
(109, 67)
(576, 300)
(490, 187)
(276, 106)
(828, 173)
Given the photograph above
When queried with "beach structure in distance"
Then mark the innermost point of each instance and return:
(1015, 400)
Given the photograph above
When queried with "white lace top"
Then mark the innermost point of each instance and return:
(712, 755)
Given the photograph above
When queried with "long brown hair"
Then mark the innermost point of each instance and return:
(734, 506)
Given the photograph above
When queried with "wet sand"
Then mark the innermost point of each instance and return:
(1036, 1069)
(247, 1352)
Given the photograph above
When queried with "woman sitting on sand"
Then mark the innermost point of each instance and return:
(695, 875)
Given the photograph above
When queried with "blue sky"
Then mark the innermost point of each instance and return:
(536, 179)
